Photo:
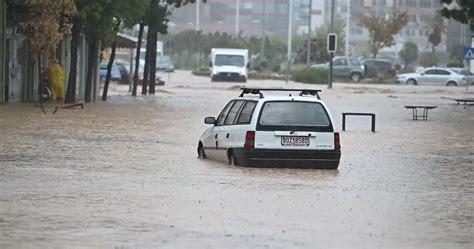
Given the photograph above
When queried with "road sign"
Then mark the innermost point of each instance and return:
(469, 53)
(332, 42)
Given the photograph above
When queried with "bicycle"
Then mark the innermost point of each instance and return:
(44, 96)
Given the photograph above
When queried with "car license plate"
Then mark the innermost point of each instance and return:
(295, 141)
(228, 74)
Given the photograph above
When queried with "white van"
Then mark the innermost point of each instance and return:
(273, 131)
(229, 64)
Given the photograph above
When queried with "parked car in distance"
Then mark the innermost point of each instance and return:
(345, 67)
(164, 63)
(293, 130)
(124, 72)
(115, 73)
(432, 76)
(465, 72)
(375, 67)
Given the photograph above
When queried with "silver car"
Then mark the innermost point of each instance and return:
(432, 76)
(345, 67)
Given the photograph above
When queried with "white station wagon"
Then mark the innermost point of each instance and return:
(273, 131)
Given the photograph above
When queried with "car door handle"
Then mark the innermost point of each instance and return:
(227, 136)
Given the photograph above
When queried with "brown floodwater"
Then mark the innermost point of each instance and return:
(124, 174)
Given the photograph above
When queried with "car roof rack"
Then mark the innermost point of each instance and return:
(312, 92)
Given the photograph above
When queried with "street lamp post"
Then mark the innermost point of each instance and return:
(310, 15)
(262, 49)
(290, 28)
(348, 26)
(331, 54)
(237, 17)
(198, 10)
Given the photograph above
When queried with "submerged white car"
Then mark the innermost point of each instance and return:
(432, 76)
(292, 130)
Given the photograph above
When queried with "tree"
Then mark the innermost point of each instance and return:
(456, 53)
(428, 59)
(409, 53)
(319, 41)
(438, 26)
(125, 14)
(382, 30)
(156, 17)
(47, 25)
(461, 11)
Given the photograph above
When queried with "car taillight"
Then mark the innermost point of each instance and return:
(337, 141)
(249, 140)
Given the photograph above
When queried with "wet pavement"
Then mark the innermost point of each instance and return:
(124, 174)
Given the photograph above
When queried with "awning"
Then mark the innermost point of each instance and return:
(126, 41)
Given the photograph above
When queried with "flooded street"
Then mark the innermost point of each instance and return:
(125, 174)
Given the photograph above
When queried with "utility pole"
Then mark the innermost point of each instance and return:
(262, 49)
(331, 54)
(310, 15)
(198, 12)
(237, 17)
(348, 27)
(290, 28)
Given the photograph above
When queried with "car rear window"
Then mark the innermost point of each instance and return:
(294, 115)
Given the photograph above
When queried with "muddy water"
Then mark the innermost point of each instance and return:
(125, 175)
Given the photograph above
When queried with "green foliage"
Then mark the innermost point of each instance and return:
(428, 59)
(276, 68)
(455, 64)
(382, 30)
(194, 54)
(461, 14)
(409, 53)
(47, 24)
(310, 75)
(456, 53)
(319, 43)
(438, 26)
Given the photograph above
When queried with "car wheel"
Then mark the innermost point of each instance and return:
(452, 83)
(411, 82)
(232, 160)
(356, 77)
(201, 152)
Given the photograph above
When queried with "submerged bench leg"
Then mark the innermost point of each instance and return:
(373, 123)
(343, 122)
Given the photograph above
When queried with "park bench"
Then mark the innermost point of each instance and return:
(68, 106)
(464, 100)
(344, 114)
(425, 111)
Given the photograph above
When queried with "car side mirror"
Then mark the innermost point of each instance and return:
(210, 120)
(210, 64)
(248, 64)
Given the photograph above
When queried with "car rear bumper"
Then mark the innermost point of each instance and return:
(321, 159)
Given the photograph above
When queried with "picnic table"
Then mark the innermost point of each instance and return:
(425, 110)
(464, 100)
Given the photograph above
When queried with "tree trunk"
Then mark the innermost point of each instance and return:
(154, 39)
(40, 76)
(71, 86)
(91, 66)
(137, 59)
(146, 70)
(109, 71)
